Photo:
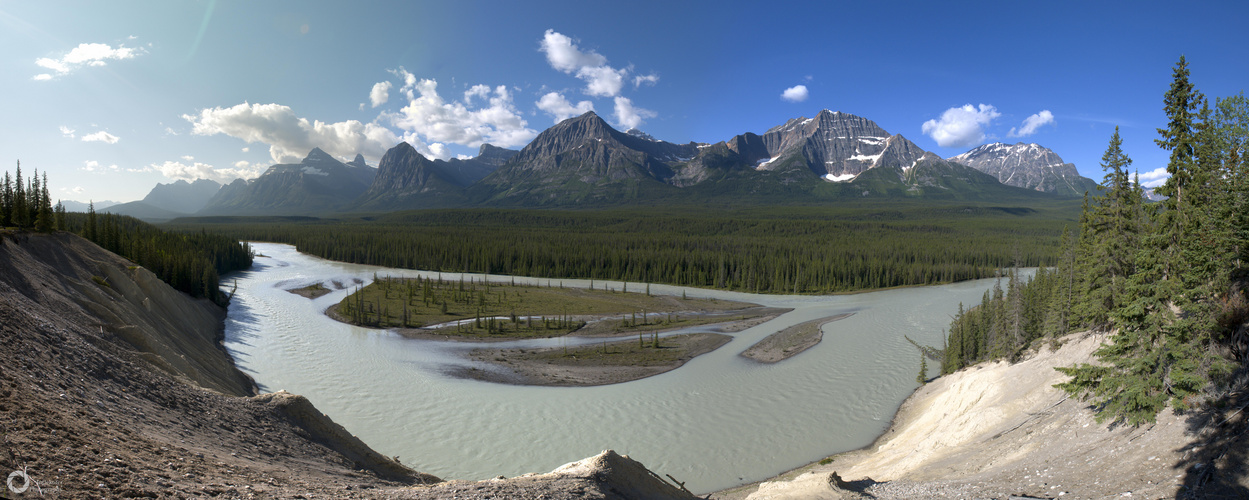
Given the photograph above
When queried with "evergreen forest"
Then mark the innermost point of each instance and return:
(1165, 281)
(764, 250)
(189, 262)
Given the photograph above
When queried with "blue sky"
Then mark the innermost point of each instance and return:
(110, 98)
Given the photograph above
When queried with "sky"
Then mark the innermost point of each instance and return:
(111, 98)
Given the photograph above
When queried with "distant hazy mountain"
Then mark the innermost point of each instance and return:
(168, 201)
(1028, 166)
(407, 180)
(319, 184)
(81, 206)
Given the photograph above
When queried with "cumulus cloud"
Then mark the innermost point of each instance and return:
(191, 171)
(1154, 178)
(565, 56)
(961, 127)
(797, 93)
(650, 79)
(591, 67)
(67, 132)
(1032, 123)
(380, 93)
(291, 137)
(560, 109)
(495, 120)
(101, 136)
(85, 54)
(628, 116)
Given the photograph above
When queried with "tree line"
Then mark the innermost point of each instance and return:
(768, 252)
(1166, 280)
(189, 262)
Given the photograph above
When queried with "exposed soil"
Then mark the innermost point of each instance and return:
(999, 430)
(791, 341)
(311, 291)
(608, 363)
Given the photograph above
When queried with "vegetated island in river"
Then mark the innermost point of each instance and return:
(475, 310)
(789, 342)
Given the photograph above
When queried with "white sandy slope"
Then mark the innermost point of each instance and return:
(997, 430)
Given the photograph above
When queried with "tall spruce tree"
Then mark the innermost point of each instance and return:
(44, 220)
(21, 214)
(1162, 349)
(6, 201)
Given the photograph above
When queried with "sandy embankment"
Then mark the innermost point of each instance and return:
(1000, 429)
(791, 341)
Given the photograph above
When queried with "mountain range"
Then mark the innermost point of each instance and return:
(583, 162)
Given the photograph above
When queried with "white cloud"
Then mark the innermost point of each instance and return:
(650, 79)
(628, 116)
(560, 109)
(242, 164)
(478, 91)
(961, 127)
(192, 171)
(380, 93)
(85, 54)
(41, 77)
(246, 149)
(1032, 123)
(78, 190)
(67, 132)
(428, 115)
(797, 93)
(101, 136)
(600, 79)
(1154, 178)
(188, 158)
(565, 56)
(290, 137)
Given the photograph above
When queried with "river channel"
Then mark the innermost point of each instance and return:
(719, 421)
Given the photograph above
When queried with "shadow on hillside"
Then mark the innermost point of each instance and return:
(1215, 465)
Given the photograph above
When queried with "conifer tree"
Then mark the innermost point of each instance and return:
(44, 220)
(6, 202)
(21, 214)
(89, 230)
(1161, 352)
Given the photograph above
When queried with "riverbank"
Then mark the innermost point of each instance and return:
(791, 341)
(998, 430)
(589, 365)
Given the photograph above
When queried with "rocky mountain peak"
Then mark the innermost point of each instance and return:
(837, 145)
(1029, 166)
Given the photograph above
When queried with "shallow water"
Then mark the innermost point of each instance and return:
(719, 421)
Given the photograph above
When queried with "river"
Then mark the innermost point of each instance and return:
(719, 421)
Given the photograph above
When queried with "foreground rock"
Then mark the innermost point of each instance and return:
(998, 430)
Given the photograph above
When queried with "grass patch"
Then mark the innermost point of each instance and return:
(509, 310)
